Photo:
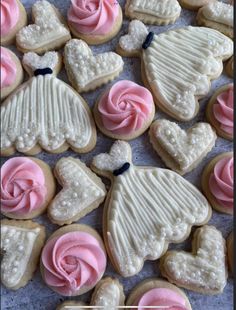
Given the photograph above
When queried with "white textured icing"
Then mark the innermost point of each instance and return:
(87, 68)
(79, 190)
(34, 61)
(219, 12)
(185, 147)
(17, 244)
(107, 296)
(45, 111)
(207, 269)
(46, 29)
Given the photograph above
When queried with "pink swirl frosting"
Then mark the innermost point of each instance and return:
(93, 17)
(223, 110)
(9, 16)
(22, 186)
(73, 261)
(8, 68)
(125, 107)
(162, 297)
(221, 182)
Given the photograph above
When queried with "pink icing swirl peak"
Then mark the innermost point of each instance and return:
(221, 182)
(22, 186)
(8, 68)
(9, 16)
(223, 110)
(73, 261)
(93, 17)
(125, 107)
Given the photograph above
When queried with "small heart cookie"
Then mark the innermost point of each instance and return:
(82, 192)
(21, 244)
(87, 72)
(203, 271)
(47, 33)
(181, 150)
(194, 4)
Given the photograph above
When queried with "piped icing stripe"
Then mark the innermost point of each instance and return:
(8, 68)
(219, 12)
(10, 14)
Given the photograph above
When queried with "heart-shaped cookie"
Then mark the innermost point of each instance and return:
(204, 270)
(86, 71)
(47, 33)
(21, 243)
(181, 150)
(82, 192)
(158, 12)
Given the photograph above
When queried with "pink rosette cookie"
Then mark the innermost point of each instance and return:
(11, 72)
(125, 111)
(13, 18)
(27, 186)
(220, 111)
(73, 260)
(218, 182)
(95, 21)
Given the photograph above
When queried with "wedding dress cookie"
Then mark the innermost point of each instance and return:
(205, 269)
(194, 4)
(157, 12)
(230, 250)
(107, 295)
(146, 209)
(87, 72)
(181, 150)
(82, 192)
(45, 113)
(178, 78)
(47, 33)
(21, 244)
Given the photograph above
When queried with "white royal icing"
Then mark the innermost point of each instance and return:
(147, 209)
(107, 296)
(79, 190)
(17, 245)
(85, 67)
(34, 61)
(46, 29)
(184, 147)
(219, 12)
(207, 269)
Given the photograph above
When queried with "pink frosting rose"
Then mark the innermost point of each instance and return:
(9, 16)
(73, 261)
(221, 182)
(125, 107)
(162, 298)
(22, 186)
(223, 110)
(8, 68)
(93, 17)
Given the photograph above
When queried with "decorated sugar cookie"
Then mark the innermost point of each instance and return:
(177, 78)
(73, 260)
(205, 269)
(156, 292)
(220, 111)
(108, 293)
(47, 33)
(218, 182)
(194, 4)
(82, 192)
(11, 72)
(156, 12)
(217, 15)
(230, 251)
(45, 113)
(13, 18)
(181, 150)
(21, 244)
(27, 187)
(124, 111)
(230, 67)
(95, 21)
(86, 71)
(146, 209)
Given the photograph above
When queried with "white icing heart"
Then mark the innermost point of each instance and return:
(219, 12)
(184, 147)
(34, 61)
(80, 192)
(204, 271)
(86, 69)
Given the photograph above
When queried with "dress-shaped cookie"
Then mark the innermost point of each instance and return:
(146, 209)
(178, 65)
(45, 113)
